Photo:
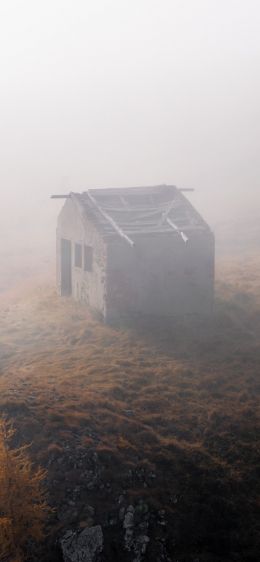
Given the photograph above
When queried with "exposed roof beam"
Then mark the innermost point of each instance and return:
(165, 214)
(180, 232)
(116, 191)
(110, 220)
(60, 196)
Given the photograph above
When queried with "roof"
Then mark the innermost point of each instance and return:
(136, 211)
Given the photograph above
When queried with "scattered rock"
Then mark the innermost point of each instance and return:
(129, 519)
(128, 525)
(136, 539)
(121, 513)
(84, 546)
(140, 547)
(90, 510)
(161, 519)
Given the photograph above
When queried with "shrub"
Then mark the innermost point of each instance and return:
(23, 507)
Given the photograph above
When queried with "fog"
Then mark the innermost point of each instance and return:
(123, 93)
(137, 405)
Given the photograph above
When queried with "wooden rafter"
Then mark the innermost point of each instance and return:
(109, 219)
(180, 232)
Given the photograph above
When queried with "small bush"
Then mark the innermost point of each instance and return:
(23, 507)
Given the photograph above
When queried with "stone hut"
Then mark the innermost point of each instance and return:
(135, 251)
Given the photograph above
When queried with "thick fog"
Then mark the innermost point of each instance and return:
(121, 93)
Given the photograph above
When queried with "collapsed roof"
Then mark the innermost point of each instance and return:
(135, 211)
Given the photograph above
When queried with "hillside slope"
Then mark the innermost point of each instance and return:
(163, 419)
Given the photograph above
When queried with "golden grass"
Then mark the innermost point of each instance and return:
(181, 400)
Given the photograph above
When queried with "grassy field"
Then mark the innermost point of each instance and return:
(165, 415)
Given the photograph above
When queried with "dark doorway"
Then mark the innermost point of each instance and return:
(66, 272)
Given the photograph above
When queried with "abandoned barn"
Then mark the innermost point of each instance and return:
(132, 251)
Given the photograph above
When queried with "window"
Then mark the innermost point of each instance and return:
(88, 258)
(78, 255)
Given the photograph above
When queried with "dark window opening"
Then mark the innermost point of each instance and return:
(88, 258)
(78, 255)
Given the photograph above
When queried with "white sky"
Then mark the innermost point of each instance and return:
(128, 92)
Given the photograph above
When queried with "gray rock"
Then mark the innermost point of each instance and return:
(129, 534)
(84, 546)
(140, 547)
(143, 541)
(128, 525)
(121, 514)
(90, 510)
(128, 520)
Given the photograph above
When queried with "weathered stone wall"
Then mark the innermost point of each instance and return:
(161, 275)
(88, 286)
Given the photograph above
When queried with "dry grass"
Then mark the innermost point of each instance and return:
(179, 401)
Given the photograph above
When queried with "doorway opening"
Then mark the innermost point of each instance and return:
(66, 268)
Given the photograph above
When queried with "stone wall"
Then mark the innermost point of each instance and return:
(161, 275)
(88, 286)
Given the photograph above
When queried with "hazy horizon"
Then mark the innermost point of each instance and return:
(118, 93)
